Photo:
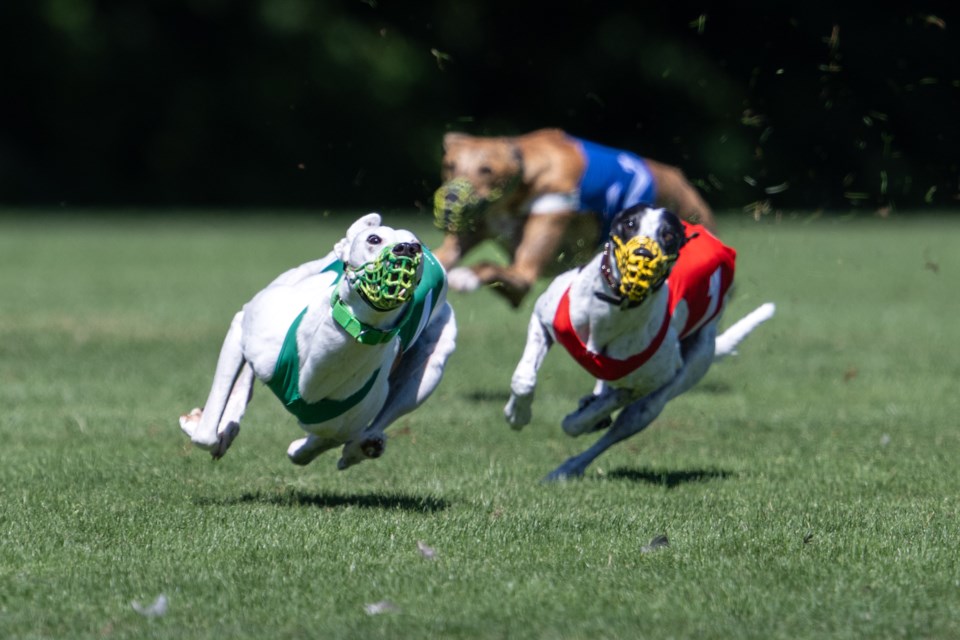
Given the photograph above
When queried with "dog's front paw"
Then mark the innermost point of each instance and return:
(189, 421)
(518, 411)
(463, 279)
(190, 425)
(217, 443)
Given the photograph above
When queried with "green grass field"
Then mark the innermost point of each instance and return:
(809, 488)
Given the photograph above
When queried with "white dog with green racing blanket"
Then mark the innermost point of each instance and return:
(348, 343)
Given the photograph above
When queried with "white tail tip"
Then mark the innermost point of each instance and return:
(728, 340)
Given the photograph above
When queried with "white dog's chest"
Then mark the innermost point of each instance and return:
(616, 351)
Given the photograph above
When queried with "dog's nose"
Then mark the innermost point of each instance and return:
(406, 249)
(643, 252)
(451, 197)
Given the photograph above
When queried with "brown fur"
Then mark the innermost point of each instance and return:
(539, 244)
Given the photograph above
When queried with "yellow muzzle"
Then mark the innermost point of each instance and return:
(642, 265)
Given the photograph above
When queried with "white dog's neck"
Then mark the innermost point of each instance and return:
(364, 312)
(323, 341)
(599, 323)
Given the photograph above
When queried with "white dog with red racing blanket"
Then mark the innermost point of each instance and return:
(642, 318)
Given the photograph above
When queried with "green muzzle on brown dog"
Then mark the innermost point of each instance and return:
(457, 207)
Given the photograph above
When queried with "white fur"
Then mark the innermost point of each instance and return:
(332, 363)
(642, 394)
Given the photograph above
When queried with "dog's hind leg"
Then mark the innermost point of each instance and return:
(416, 376)
(698, 356)
(594, 411)
(305, 450)
(203, 425)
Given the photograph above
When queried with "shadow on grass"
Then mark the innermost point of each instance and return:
(667, 479)
(484, 395)
(328, 500)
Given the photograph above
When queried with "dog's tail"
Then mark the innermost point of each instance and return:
(726, 344)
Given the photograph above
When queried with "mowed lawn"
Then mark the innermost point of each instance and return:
(809, 487)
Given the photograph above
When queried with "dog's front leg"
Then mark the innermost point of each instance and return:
(519, 408)
(454, 247)
(203, 425)
(698, 355)
(411, 383)
(539, 245)
(229, 427)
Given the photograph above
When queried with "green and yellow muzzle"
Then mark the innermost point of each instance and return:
(458, 208)
(389, 281)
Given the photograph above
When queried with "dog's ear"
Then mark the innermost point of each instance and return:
(364, 223)
(453, 138)
(673, 235)
(342, 248)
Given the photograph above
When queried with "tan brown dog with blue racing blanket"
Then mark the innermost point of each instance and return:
(547, 198)
(348, 343)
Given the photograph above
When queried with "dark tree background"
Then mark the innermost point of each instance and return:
(326, 103)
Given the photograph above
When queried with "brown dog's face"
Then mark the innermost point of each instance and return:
(491, 165)
(476, 172)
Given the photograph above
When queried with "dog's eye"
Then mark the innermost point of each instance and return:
(373, 239)
(485, 170)
(630, 223)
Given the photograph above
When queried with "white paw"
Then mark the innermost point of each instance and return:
(519, 411)
(190, 425)
(298, 452)
(189, 422)
(463, 279)
(216, 443)
(306, 450)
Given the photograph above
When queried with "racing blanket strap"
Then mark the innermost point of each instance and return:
(285, 384)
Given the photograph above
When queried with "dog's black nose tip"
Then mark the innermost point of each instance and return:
(451, 197)
(643, 253)
(407, 249)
